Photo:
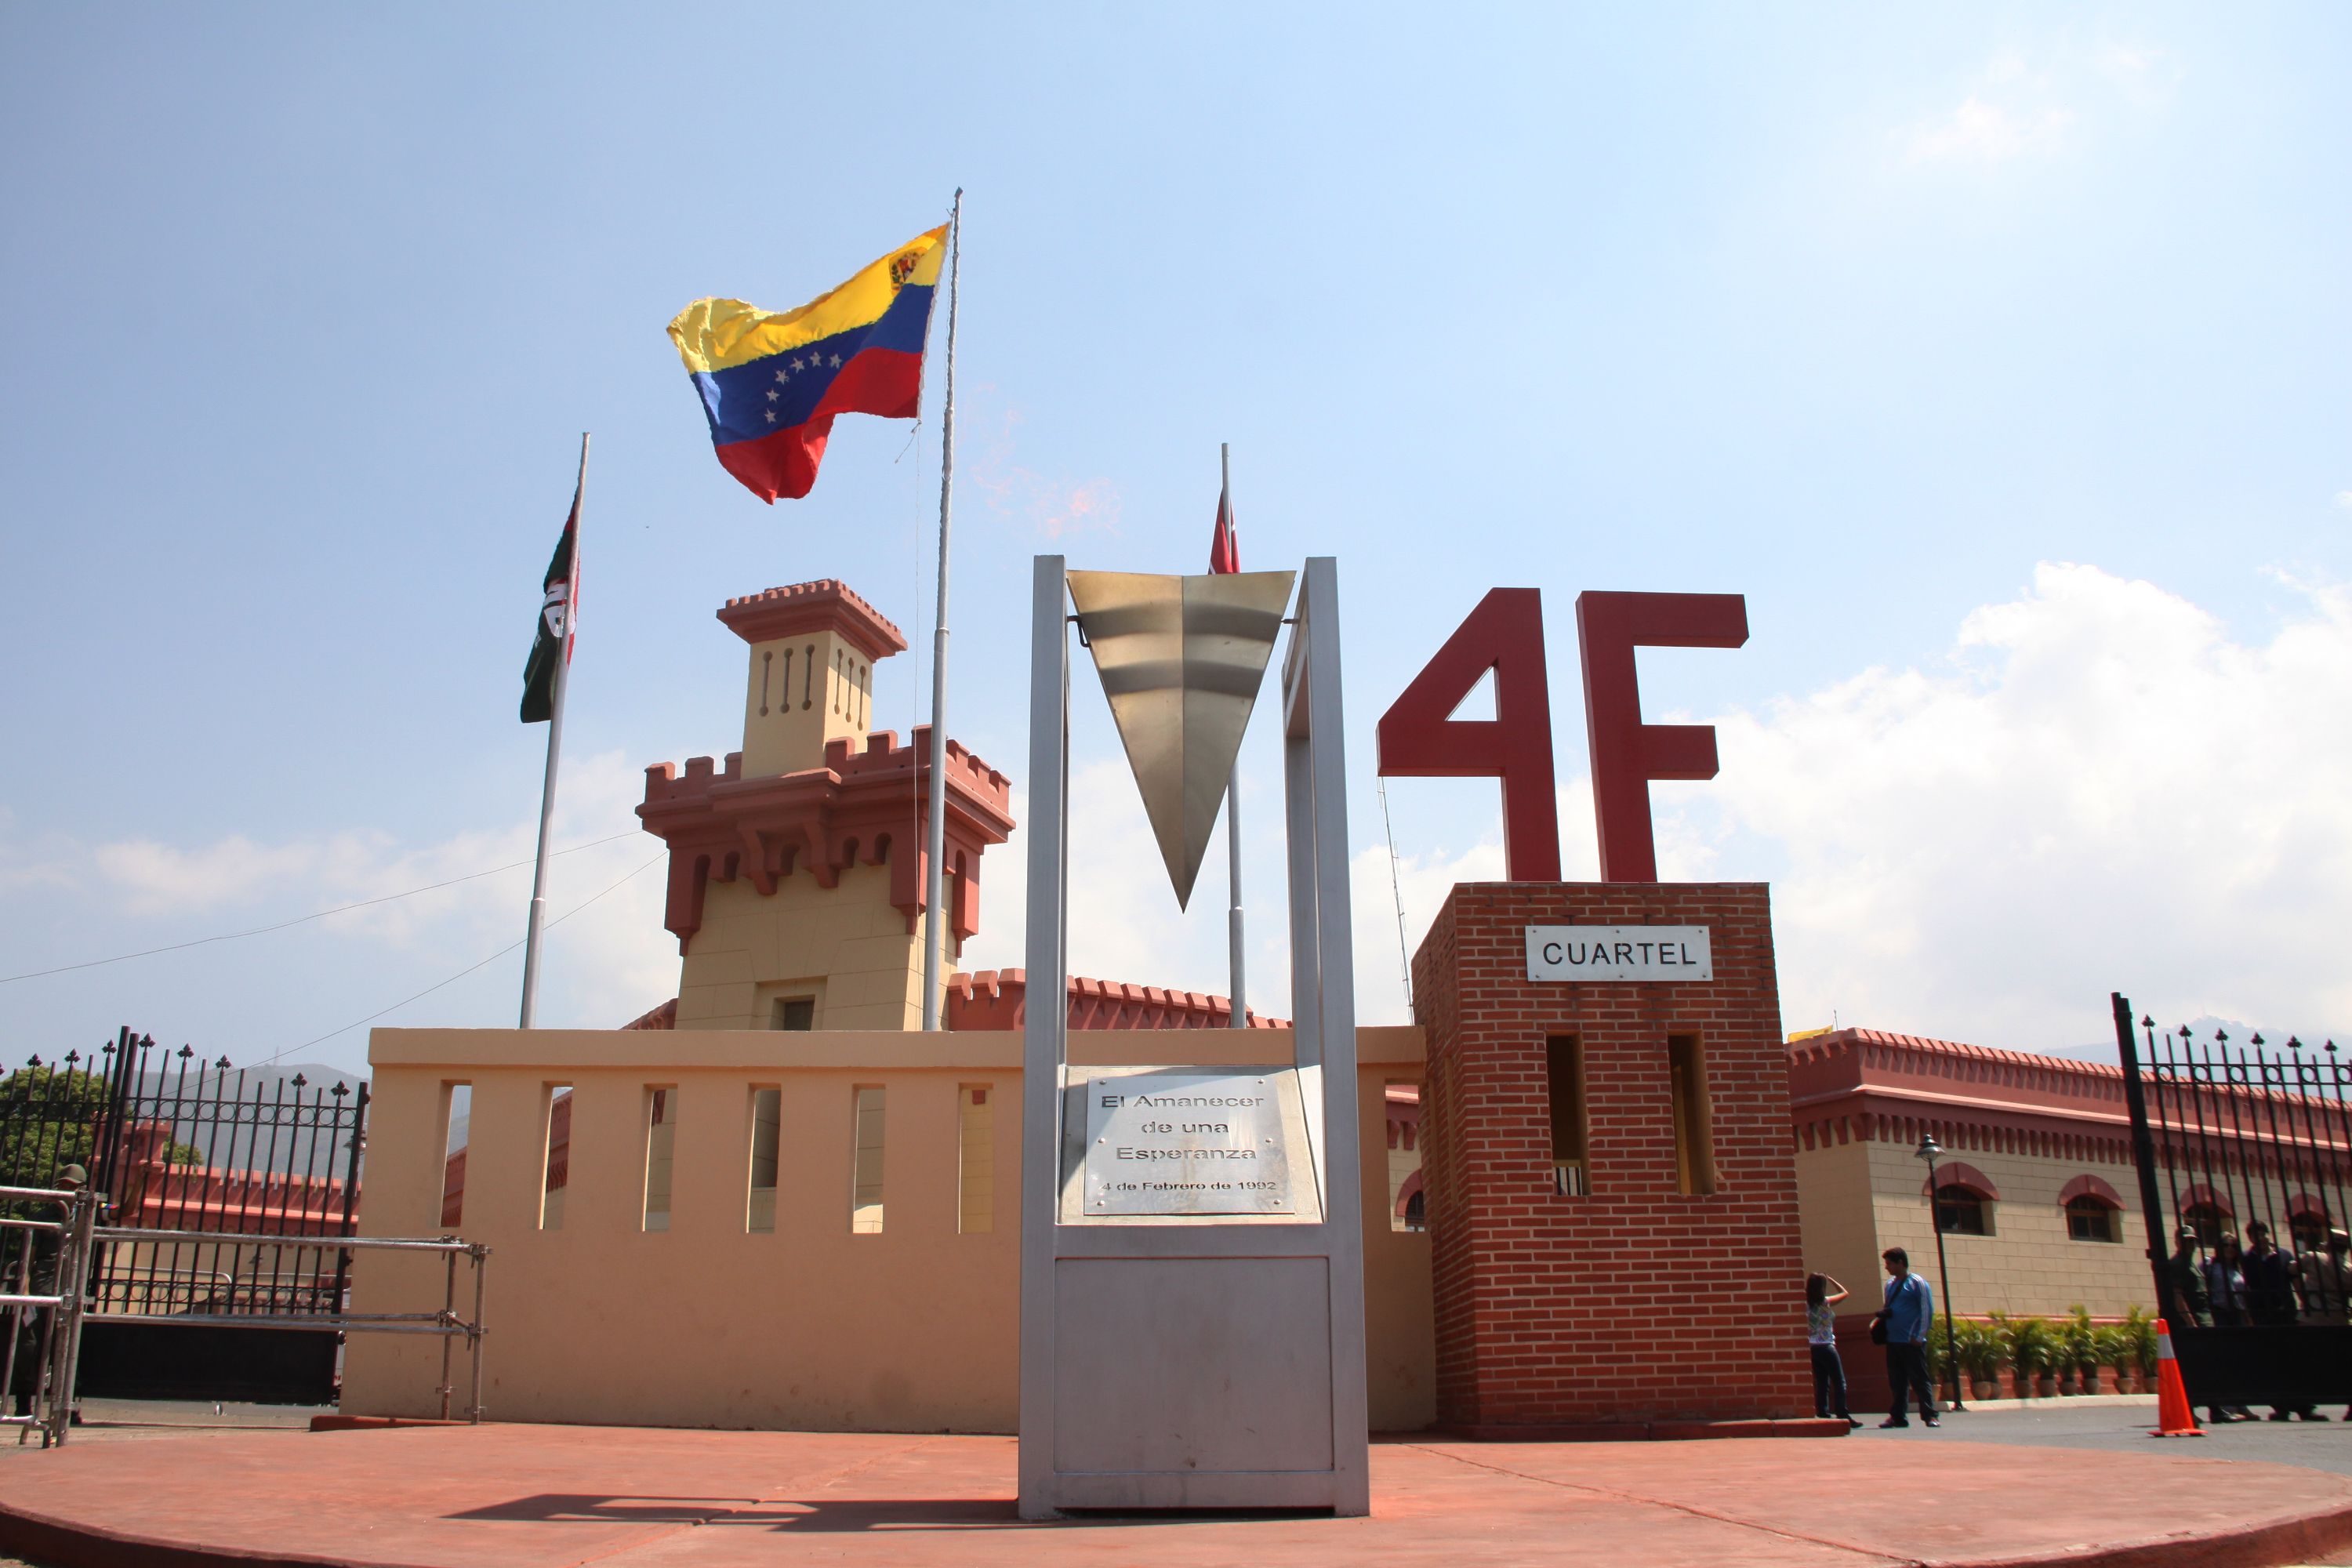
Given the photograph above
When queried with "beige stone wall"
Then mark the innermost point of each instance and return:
(1860, 1198)
(812, 1326)
(846, 946)
(785, 732)
(1835, 1213)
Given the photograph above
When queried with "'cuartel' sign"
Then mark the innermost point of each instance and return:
(1618, 953)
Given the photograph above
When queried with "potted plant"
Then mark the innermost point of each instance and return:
(2141, 1327)
(2079, 1340)
(2007, 1381)
(2033, 1351)
(2118, 1348)
(1939, 1365)
(1980, 1355)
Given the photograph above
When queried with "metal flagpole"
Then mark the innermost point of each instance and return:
(554, 750)
(1240, 1019)
(935, 838)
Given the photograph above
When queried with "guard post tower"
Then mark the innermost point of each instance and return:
(796, 870)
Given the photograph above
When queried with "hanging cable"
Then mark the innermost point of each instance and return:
(461, 975)
(298, 920)
(1396, 893)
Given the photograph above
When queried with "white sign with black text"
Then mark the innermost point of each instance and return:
(1618, 953)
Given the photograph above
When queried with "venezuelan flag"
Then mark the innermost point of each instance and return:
(771, 384)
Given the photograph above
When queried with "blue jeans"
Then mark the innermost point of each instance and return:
(1829, 1382)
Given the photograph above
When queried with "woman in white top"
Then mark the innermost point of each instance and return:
(1822, 1294)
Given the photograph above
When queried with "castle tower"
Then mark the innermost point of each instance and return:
(796, 871)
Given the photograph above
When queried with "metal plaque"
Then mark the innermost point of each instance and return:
(1618, 953)
(1185, 1143)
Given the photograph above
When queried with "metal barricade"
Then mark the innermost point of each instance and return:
(447, 1322)
(48, 1299)
(43, 1304)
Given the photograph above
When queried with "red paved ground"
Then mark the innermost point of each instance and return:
(533, 1497)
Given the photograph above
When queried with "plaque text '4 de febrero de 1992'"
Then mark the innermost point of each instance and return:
(1185, 1143)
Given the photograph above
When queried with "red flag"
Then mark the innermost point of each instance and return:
(1225, 550)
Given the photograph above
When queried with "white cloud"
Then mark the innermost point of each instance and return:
(2098, 790)
(156, 879)
(2344, 500)
(1124, 922)
(1050, 507)
(1978, 131)
(606, 964)
(1423, 881)
(50, 865)
(2144, 73)
(2015, 110)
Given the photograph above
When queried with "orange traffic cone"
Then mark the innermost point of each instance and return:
(2174, 1418)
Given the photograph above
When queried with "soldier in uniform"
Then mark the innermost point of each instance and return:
(2270, 1296)
(2191, 1306)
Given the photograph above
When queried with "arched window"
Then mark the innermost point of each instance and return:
(1416, 1212)
(2208, 1220)
(2309, 1228)
(1962, 1211)
(2092, 1218)
(2093, 1209)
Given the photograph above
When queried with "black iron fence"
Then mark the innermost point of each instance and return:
(246, 1179)
(2244, 1151)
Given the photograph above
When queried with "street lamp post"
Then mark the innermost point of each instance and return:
(1928, 1149)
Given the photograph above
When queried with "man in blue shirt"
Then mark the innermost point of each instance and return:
(1910, 1308)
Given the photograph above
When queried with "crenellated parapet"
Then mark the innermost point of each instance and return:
(865, 806)
(998, 999)
(804, 608)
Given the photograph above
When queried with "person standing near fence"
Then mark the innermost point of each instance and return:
(2270, 1296)
(1822, 1296)
(1910, 1307)
(2225, 1288)
(2325, 1280)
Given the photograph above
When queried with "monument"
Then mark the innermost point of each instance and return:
(1192, 1250)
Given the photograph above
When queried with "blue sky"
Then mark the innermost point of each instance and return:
(1998, 355)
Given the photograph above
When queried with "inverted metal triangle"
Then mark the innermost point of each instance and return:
(1181, 659)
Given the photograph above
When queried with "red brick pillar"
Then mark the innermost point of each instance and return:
(1632, 1301)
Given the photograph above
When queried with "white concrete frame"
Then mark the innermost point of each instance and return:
(1237, 1344)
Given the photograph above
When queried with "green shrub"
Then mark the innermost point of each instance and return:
(2033, 1345)
(2078, 1349)
(1979, 1350)
(2141, 1327)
